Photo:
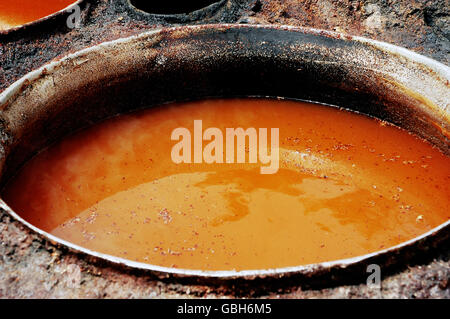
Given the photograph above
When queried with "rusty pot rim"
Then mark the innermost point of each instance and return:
(47, 17)
(217, 4)
(441, 72)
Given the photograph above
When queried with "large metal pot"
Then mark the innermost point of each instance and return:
(194, 62)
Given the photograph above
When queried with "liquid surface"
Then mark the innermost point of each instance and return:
(15, 13)
(347, 185)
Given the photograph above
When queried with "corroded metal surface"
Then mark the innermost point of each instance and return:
(33, 267)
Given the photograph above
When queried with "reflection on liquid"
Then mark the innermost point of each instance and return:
(346, 186)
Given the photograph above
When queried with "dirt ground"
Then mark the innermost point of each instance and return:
(31, 267)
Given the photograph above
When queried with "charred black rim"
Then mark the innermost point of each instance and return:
(175, 7)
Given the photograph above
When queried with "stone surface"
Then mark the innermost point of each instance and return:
(33, 268)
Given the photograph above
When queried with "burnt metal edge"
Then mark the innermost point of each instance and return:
(437, 235)
(222, 11)
(62, 12)
(183, 17)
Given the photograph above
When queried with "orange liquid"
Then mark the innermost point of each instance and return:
(15, 13)
(347, 185)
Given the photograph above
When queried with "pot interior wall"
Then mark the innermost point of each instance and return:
(198, 63)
